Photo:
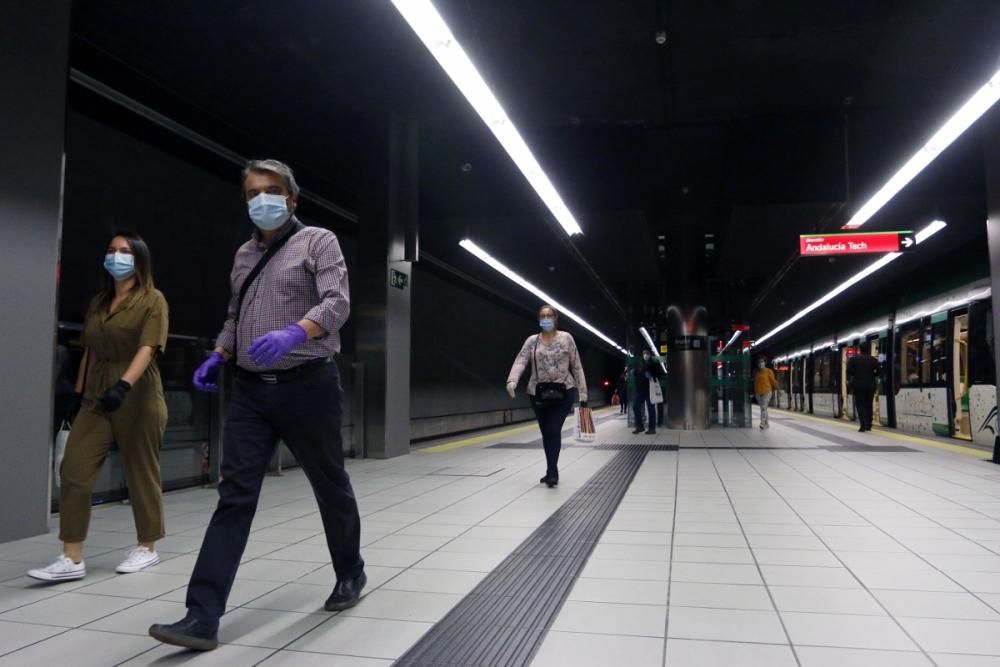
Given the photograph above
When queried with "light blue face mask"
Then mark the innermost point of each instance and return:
(547, 324)
(120, 265)
(268, 211)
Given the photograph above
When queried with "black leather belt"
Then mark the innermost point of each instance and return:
(280, 377)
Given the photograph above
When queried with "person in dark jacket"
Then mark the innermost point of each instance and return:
(649, 369)
(622, 390)
(862, 380)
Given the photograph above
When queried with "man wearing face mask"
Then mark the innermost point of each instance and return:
(289, 301)
(764, 386)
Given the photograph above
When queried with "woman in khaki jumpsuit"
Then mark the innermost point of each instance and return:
(122, 402)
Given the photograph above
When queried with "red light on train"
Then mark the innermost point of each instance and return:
(607, 383)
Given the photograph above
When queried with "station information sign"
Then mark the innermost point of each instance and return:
(823, 245)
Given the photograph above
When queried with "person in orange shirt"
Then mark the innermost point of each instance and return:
(764, 385)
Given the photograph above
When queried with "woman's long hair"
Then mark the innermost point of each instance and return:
(143, 269)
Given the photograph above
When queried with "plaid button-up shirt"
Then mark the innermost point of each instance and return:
(305, 280)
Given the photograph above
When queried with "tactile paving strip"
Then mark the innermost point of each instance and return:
(848, 444)
(502, 622)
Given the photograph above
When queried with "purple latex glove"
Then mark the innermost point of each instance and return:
(270, 348)
(207, 375)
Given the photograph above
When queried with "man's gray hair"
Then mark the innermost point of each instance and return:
(275, 167)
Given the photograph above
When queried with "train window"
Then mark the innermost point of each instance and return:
(908, 344)
(939, 353)
(822, 375)
(926, 336)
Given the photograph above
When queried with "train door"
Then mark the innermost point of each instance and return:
(958, 371)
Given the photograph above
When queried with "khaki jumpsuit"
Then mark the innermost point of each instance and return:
(137, 426)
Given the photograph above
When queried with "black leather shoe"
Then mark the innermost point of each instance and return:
(638, 430)
(189, 633)
(651, 431)
(551, 481)
(346, 593)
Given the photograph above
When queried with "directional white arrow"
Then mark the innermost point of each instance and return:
(907, 242)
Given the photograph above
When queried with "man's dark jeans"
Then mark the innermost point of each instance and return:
(306, 415)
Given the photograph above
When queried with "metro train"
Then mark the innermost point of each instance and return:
(938, 372)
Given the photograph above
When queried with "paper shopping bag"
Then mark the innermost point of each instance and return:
(585, 430)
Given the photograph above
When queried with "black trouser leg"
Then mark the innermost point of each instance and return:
(651, 408)
(247, 449)
(863, 399)
(551, 419)
(639, 410)
(308, 418)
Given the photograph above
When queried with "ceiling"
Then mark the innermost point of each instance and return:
(755, 121)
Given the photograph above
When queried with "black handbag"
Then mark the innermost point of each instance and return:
(547, 393)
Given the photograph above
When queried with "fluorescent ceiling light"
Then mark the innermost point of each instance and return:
(515, 278)
(736, 334)
(921, 236)
(970, 112)
(436, 36)
(652, 347)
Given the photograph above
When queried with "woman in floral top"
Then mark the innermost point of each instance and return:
(553, 358)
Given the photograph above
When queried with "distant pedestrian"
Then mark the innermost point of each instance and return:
(556, 384)
(862, 380)
(649, 371)
(765, 384)
(623, 394)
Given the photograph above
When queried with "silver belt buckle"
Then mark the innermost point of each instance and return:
(268, 378)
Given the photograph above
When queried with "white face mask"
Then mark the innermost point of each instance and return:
(761, 364)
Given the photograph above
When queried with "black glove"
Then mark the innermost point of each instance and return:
(583, 404)
(113, 398)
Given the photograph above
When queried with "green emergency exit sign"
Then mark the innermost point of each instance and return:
(398, 279)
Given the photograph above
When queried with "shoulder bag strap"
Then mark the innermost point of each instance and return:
(255, 271)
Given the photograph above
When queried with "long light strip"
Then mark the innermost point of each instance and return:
(921, 236)
(736, 334)
(976, 106)
(425, 20)
(652, 347)
(515, 278)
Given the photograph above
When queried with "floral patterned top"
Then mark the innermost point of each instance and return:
(556, 361)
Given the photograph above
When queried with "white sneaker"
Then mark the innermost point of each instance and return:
(138, 558)
(63, 569)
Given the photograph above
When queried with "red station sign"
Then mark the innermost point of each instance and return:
(823, 245)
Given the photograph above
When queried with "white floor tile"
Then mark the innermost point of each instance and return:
(921, 604)
(14, 636)
(719, 596)
(817, 656)
(363, 637)
(136, 620)
(266, 628)
(964, 660)
(454, 582)
(300, 659)
(67, 648)
(854, 601)
(870, 632)
(226, 655)
(683, 652)
(69, 610)
(725, 625)
(404, 606)
(622, 591)
(821, 577)
(264, 569)
(951, 636)
(613, 619)
(715, 573)
(580, 650)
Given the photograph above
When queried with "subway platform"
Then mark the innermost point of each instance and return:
(806, 544)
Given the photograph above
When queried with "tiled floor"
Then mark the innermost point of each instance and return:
(742, 548)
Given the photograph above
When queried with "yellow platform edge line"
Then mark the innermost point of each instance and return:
(479, 439)
(902, 437)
